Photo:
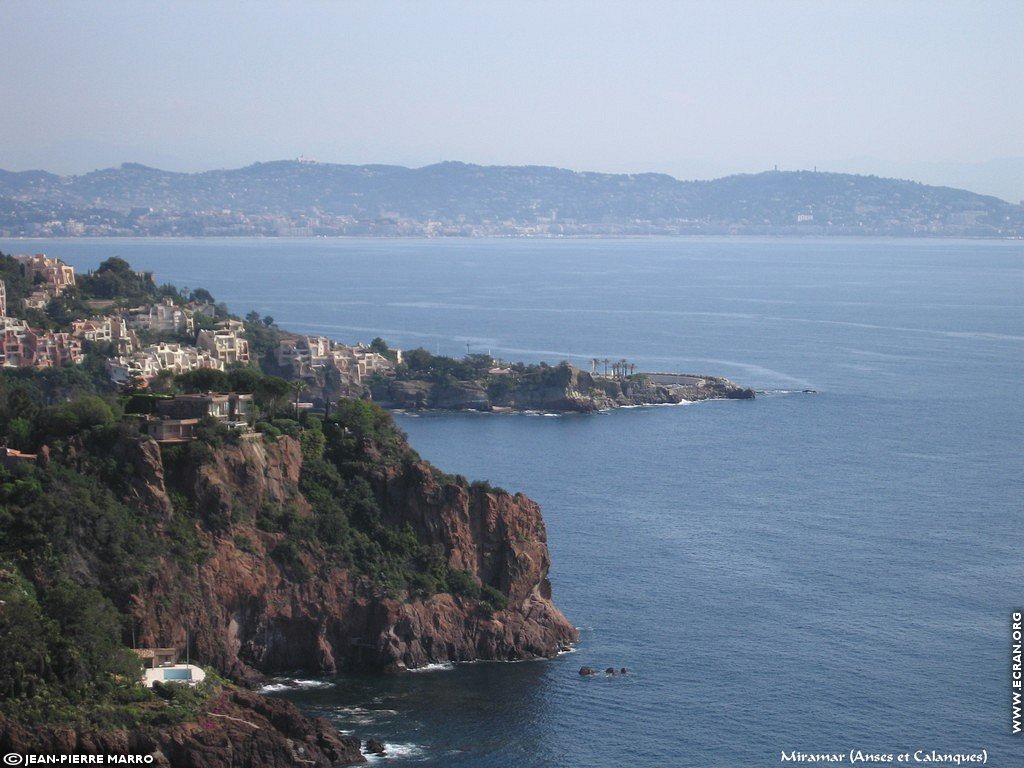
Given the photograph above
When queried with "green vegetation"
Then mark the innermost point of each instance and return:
(115, 280)
(349, 521)
(264, 338)
(506, 384)
(61, 657)
(421, 364)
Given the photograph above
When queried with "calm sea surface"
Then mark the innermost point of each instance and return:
(802, 572)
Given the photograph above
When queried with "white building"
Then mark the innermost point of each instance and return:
(309, 355)
(165, 317)
(106, 329)
(225, 342)
(149, 361)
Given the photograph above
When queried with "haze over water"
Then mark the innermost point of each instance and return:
(802, 572)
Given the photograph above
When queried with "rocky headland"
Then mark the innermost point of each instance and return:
(318, 546)
(250, 609)
(561, 388)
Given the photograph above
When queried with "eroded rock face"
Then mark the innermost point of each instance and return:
(247, 614)
(239, 729)
(148, 482)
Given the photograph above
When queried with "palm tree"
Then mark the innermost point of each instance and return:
(298, 387)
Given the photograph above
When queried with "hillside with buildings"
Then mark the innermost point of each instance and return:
(174, 523)
(131, 335)
(302, 198)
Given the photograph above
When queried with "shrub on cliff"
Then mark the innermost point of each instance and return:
(362, 432)
(493, 597)
(463, 583)
(287, 556)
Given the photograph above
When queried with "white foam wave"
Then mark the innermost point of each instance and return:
(294, 685)
(656, 405)
(435, 667)
(362, 717)
(364, 711)
(399, 751)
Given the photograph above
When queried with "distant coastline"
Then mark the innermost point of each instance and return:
(458, 200)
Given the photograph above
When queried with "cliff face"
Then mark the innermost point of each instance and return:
(563, 388)
(499, 538)
(248, 610)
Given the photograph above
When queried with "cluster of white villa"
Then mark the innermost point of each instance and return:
(308, 356)
(162, 317)
(22, 346)
(218, 348)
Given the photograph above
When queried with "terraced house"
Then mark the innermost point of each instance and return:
(308, 356)
(225, 342)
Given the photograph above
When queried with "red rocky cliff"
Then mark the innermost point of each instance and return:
(247, 613)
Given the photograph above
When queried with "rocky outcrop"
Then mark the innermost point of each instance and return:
(562, 388)
(147, 477)
(237, 729)
(248, 610)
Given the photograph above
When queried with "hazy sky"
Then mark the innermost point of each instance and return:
(694, 89)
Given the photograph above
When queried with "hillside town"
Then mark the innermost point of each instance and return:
(168, 336)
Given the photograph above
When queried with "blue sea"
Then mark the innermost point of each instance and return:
(804, 572)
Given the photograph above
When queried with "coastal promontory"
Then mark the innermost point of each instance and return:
(562, 388)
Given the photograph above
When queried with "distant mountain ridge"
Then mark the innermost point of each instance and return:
(452, 198)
